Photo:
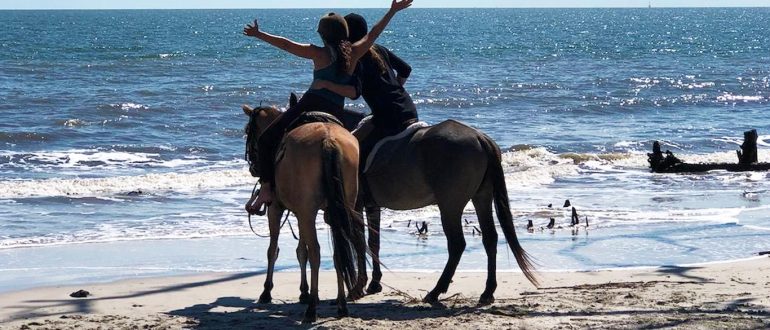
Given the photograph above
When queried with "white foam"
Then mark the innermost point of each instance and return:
(719, 157)
(627, 144)
(534, 167)
(727, 97)
(87, 159)
(762, 140)
(698, 85)
(219, 222)
(639, 158)
(149, 183)
(75, 123)
(720, 215)
(130, 106)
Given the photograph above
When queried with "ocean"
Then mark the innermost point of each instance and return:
(121, 139)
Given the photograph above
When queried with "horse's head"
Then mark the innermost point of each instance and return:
(259, 119)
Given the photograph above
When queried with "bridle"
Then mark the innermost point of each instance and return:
(251, 139)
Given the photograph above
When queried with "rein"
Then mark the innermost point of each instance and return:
(251, 136)
(285, 220)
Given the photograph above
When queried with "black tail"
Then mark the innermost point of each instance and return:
(503, 208)
(339, 216)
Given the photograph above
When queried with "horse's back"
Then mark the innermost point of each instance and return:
(454, 157)
(444, 157)
(451, 136)
(300, 163)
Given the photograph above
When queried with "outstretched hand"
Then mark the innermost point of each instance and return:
(251, 30)
(396, 5)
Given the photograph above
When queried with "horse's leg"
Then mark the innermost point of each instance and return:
(362, 275)
(309, 238)
(342, 304)
(373, 219)
(357, 291)
(482, 202)
(274, 223)
(304, 296)
(451, 222)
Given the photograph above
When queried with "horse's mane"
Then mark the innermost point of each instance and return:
(252, 135)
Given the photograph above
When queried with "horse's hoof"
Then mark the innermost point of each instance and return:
(486, 300)
(355, 295)
(374, 287)
(265, 298)
(342, 312)
(304, 298)
(431, 298)
(310, 317)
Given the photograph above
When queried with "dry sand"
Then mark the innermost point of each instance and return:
(733, 295)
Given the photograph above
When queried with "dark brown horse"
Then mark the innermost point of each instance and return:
(317, 168)
(448, 164)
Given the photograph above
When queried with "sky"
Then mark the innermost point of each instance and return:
(186, 4)
(174, 4)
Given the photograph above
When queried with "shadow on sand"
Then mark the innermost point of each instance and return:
(38, 308)
(238, 313)
(611, 304)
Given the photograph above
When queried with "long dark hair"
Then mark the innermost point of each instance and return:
(342, 54)
(378, 59)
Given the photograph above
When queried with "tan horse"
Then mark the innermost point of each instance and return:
(316, 168)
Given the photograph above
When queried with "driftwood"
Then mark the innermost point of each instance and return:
(748, 153)
(747, 159)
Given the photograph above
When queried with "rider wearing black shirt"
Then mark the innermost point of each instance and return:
(382, 75)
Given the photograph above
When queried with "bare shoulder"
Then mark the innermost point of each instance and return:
(319, 51)
(321, 57)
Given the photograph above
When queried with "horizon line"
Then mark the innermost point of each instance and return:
(481, 7)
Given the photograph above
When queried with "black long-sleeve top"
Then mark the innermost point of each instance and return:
(391, 105)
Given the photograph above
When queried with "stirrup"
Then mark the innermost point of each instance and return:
(263, 208)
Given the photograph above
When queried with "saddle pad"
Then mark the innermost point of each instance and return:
(384, 149)
(361, 124)
(313, 117)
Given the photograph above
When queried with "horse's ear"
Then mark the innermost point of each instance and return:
(247, 110)
(292, 100)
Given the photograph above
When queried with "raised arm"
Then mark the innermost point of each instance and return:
(297, 49)
(362, 46)
(403, 69)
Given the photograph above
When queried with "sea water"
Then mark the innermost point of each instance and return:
(121, 136)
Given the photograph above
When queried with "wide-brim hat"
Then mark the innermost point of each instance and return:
(333, 28)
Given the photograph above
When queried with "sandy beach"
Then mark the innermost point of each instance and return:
(734, 295)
